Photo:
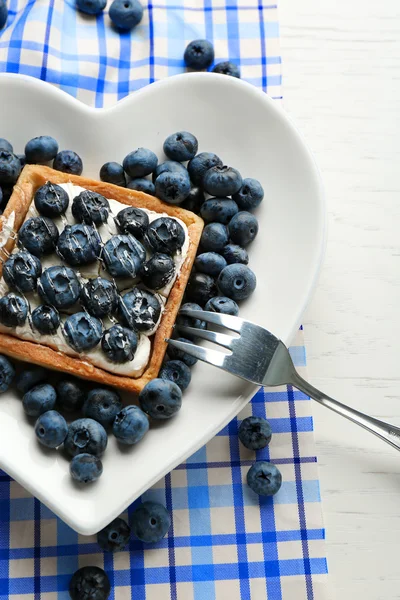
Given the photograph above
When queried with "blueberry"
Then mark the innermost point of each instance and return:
(113, 172)
(41, 149)
(194, 200)
(185, 321)
(115, 536)
(222, 181)
(255, 433)
(5, 145)
(22, 159)
(264, 478)
(198, 166)
(102, 405)
(3, 17)
(39, 399)
(46, 319)
(123, 256)
(140, 162)
(250, 194)
(176, 354)
(243, 228)
(10, 167)
(222, 305)
(158, 271)
(13, 310)
(91, 7)
(86, 468)
(142, 185)
(79, 245)
(7, 373)
(210, 263)
(218, 210)
(69, 162)
(85, 436)
(176, 371)
(180, 146)
(51, 429)
(89, 583)
(91, 208)
(150, 522)
(214, 237)
(169, 166)
(5, 195)
(82, 331)
(139, 309)
(165, 235)
(237, 282)
(199, 55)
(200, 288)
(51, 200)
(126, 14)
(173, 188)
(38, 235)
(130, 425)
(28, 378)
(99, 296)
(132, 220)
(119, 344)
(21, 271)
(235, 254)
(59, 286)
(161, 398)
(227, 68)
(70, 395)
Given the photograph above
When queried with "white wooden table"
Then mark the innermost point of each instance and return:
(341, 63)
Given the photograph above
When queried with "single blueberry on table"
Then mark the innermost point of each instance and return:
(51, 200)
(59, 286)
(132, 220)
(86, 468)
(255, 433)
(214, 237)
(194, 200)
(130, 425)
(102, 405)
(70, 394)
(264, 478)
(28, 378)
(222, 181)
(21, 271)
(200, 288)
(150, 522)
(85, 436)
(227, 68)
(161, 398)
(169, 166)
(10, 167)
(173, 188)
(186, 321)
(158, 271)
(180, 146)
(113, 172)
(100, 297)
(218, 210)
(82, 331)
(79, 245)
(7, 373)
(38, 235)
(115, 536)
(243, 228)
(51, 429)
(3, 21)
(141, 184)
(90, 208)
(235, 254)
(119, 344)
(177, 354)
(210, 263)
(198, 166)
(222, 305)
(39, 399)
(13, 310)
(89, 583)
(46, 319)
(139, 309)
(91, 7)
(41, 149)
(165, 235)
(140, 162)
(250, 194)
(69, 162)
(124, 256)
(126, 14)
(176, 371)
(237, 281)
(199, 55)
(5, 145)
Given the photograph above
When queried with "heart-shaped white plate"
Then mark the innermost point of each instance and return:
(250, 132)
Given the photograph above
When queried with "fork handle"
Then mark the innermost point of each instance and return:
(388, 433)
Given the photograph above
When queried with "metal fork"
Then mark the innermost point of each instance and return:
(258, 356)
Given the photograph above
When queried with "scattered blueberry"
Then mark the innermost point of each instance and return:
(227, 68)
(85, 436)
(99, 296)
(150, 522)
(51, 429)
(165, 235)
(200, 288)
(102, 405)
(79, 245)
(38, 235)
(142, 185)
(243, 228)
(177, 354)
(235, 254)
(90, 208)
(255, 433)
(59, 286)
(218, 210)
(82, 331)
(158, 271)
(139, 309)
(161, 398)
(210, 263)
(180, 146)
(51, 200)
(13, 310)
(173, 188)
(10, 167)
(119, 344)
(28, 378)
(46, 319)
(7, 373)
(194, 200)
(222, 305)
(21, 271)
(89, 583)
(86, 468)
(91, 7)
(41, 149)
(113, 172)
(70, 395)
(222, 181)
(264, 478)
(176, 371)
(237, 281)
(185, 321)
(5, 145)
(132, 220)
(39, 399)
(140, 162)
(130, 425)
(169, 166)
(3, 21)
(126, 14)
(69, 162)
(199, 55)
(115, 536)
(250, 194)
(214, 237)
(124, 256)
(198, 166)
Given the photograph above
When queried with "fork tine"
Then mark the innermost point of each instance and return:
(218, 338)
(213, 357)
(233, 323)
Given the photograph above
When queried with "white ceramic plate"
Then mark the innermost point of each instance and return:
(250, 132)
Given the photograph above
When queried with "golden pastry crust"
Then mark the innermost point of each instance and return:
(31, 178)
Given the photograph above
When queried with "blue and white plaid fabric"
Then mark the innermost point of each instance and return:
(225, 542)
